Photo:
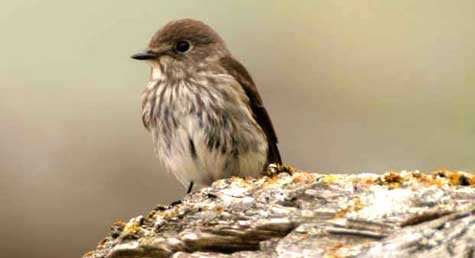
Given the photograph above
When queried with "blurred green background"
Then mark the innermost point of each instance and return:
(351, 86)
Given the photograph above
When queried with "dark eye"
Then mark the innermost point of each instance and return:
(182, 46)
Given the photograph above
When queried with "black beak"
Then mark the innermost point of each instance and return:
(145, 55)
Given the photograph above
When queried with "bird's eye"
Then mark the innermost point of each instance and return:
(182, 46)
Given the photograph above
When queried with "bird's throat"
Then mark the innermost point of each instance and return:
(157, 72)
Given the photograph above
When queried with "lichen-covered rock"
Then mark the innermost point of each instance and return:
(398, 214)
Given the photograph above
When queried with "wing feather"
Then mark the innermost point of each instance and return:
(240, 73)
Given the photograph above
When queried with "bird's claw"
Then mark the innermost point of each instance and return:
(274, 169)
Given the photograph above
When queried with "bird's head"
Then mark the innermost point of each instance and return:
(183, 46)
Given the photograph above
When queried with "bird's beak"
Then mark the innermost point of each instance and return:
(145, 55)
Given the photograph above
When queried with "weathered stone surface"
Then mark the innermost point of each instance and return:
(398, 214)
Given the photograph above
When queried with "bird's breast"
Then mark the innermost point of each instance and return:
(206, 122)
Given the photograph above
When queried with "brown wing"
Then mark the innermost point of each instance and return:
(238, 71)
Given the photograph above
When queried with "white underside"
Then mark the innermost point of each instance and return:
(209, 165)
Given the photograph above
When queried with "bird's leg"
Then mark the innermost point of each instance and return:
(190, 187)
(276, 168)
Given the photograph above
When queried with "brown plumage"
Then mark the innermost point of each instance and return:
(240, 73)
(203, 108)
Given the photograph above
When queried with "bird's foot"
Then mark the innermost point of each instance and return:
(275, 169)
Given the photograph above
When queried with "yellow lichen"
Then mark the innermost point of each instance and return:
(330, 179)
(299, 178)
(271, 180)
(289, 169)
(368, 181)
(241, 181)
(454, 177)
(218, 209)
(391, 179)
(119, 223)
(429, 180)
(457, 178)
(353, 205)
(332, 255)
(131, 229)
(416, 174)
(335, 246)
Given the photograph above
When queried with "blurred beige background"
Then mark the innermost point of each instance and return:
(351, 86)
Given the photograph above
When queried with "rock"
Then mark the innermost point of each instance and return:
(398, 214)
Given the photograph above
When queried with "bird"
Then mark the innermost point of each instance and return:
(202, 108)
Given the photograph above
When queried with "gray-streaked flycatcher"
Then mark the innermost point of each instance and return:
(202, 108)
